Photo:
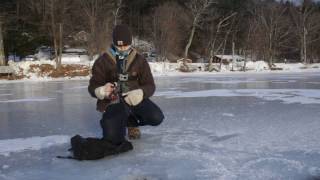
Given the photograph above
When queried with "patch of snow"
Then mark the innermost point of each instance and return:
(288, 96)
(75, 50)
(33, 99)
(5, 94)
(73, 88)
(74, 58)
(5, 166)
(221, 81)
(283, 81)
(142, 44)
(257, 66)
(137, 177)
(228, 114)
(32, 143)
(313, 82)
(229, 57)
(161, 68)
(24, 66)
(315, 171)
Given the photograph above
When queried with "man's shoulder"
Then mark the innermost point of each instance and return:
(139, 56)
(102, 59)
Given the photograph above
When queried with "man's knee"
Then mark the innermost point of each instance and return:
(149, 113)
(156, 119)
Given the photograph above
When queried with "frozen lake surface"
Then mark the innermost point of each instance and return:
(241, 126)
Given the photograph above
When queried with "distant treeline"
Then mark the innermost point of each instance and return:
(256, 29)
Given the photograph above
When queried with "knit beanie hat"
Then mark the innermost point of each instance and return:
(121, 35)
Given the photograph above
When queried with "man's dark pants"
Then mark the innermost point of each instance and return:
(118, 116)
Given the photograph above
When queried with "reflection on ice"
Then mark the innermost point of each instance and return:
(303, 96)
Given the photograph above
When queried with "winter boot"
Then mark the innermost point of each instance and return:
(134, 133)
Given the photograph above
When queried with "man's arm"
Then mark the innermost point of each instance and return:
(98, 78)
(146, 80)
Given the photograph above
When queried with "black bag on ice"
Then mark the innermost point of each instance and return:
(94, 148)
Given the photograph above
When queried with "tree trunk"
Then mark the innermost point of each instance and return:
(233, 46)
(116, 14)
(2, 57)
(92, 44)
(186, 52)
(212, 45)
(245, 62)
(212, 50)
(55, 44)
(60, 45)
(305, 45)
(270, 51)
(53, 29)
(107, 46)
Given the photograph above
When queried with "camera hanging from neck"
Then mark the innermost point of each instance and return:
(123, 76)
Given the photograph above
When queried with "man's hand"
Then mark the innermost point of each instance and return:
(133, 97)
(104, 91)
(109, 88)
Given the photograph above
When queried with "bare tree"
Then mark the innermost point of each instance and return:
(7, 19)
(37, 10)
(166, 33)
(118, 5)
(314, 46)
(57, 15)
(274, 28)
(248, 42)
(306, 21)
(2, 57)
(217, 30)
(52, 15)
(97, 17)
(198, 8)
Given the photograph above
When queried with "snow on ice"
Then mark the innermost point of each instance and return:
(310, 96)
(32, 99)
(33, 143)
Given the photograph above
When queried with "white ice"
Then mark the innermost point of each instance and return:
(244, 126)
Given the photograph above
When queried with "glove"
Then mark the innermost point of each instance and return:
(104, 91)
(133, 97)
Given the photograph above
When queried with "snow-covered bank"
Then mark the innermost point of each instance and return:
(44, 70)
(171, 69)
(23, 67)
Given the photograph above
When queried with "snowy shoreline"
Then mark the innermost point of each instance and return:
(160, 69)
(168, 74)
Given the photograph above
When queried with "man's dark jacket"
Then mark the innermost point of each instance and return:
(104, 70)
